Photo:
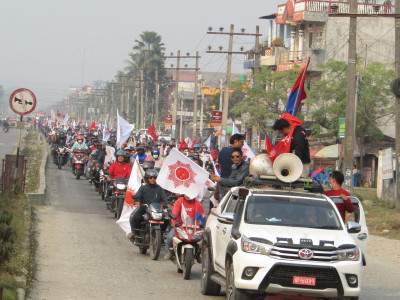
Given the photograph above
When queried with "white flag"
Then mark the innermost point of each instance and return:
(208, 143)
(124, 130)
(66, 118)
(106, 133)
(245, 149)
(134, 183)
(181, 175)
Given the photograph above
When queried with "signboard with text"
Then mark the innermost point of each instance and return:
(168, 119)
(387, 163)
(216, 118)
(342, 128)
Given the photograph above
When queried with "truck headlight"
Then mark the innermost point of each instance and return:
(349, 254)
(251, 246)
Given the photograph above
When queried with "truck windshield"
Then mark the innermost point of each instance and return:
(288, 211)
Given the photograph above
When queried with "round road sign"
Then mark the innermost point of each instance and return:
(23, 101)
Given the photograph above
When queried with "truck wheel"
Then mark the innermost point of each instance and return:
(208, 287)
(233, 293)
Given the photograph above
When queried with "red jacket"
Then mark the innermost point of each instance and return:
(342, 207)
(120, 170)
(191, 208)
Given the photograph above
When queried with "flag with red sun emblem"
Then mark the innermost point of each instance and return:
(181, 175)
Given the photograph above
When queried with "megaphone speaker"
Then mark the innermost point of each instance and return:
(288, 167)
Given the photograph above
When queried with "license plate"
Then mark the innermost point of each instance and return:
(304, 280)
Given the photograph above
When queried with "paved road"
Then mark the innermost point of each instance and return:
(8, 142)
(83, 254)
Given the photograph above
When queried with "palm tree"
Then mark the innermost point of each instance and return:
(148, 55)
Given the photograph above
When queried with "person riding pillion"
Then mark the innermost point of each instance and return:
(147, 194)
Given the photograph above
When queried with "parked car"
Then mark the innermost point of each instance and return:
(277, 240)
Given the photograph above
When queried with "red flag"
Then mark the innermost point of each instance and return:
(183, 145)
(93, 126)
(58, 113)
(152, 132)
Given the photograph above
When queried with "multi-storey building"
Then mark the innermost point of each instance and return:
(320, 30)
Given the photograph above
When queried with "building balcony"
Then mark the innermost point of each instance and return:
(305, 9)
(288, 59)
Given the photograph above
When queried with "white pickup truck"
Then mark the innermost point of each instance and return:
(262, 240)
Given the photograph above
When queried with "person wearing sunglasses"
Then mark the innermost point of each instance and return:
(240, 170)
(151, 192)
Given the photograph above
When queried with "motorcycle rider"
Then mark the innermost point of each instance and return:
(146, 194)
(140, 154)
(194, 211)
(118, 169)
(158, 160)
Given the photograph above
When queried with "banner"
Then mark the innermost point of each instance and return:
(134, 183)
(216, 118)
(181, 175)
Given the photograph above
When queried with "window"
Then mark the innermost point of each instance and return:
(288, 211)
(233, 201)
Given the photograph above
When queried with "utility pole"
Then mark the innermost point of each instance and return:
(257, 52)
(141, 100)
(228, 73)
(175, 108)
(156, 101)
(350, 100)
(397, 70)
(201, 110)
(176, 96)
(196, 85)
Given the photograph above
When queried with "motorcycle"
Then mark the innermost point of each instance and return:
(118, 196)
(5, 128)
(151, 231)
(62, 156)
(186, 244)
(79, 160)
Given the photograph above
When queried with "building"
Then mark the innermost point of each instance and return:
(320, 30)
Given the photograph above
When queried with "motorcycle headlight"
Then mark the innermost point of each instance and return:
(182, 233)
(121, 186)
(198, 236)
(349, 254)
(251, 246)
(156, 215)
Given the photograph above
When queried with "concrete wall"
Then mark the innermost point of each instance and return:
(375, 39)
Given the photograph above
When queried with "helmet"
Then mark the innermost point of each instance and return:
(120, 153)
(155, 152)
(148, 165)
(151, 173)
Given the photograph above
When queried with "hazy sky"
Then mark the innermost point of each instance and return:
(50, 45)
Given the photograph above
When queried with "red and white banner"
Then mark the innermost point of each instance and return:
(134, 183)
(181, 175)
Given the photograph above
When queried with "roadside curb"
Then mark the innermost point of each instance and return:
(39, 197)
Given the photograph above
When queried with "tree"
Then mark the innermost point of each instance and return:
(327, 100)
(267, 98)
(148, 56)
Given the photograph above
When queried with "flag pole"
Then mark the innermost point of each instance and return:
(301, 83)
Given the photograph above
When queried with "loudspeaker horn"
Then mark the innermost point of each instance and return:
(288, 167)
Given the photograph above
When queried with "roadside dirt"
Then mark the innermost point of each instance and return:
(384, 249)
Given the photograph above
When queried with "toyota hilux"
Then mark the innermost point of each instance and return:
(264, 239)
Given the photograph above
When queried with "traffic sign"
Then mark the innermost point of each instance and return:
(22, 102)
